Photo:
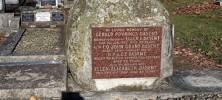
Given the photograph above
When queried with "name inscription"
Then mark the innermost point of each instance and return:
(126, 52)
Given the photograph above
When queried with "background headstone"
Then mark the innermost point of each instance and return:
(8, 24)
(91, 17)
(1, 5)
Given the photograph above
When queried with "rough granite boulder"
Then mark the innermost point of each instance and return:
(86, 14)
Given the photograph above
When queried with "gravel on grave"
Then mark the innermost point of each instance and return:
(40, 42)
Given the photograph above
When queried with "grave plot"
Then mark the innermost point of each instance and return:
(115, 49)
(38, 41)
(32, 61)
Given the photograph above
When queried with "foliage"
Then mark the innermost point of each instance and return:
(198, 31)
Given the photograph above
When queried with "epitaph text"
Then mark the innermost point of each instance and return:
(126, 52)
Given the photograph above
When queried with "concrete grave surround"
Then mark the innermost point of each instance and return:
(43, 76)
(204, 81)
(86, 14)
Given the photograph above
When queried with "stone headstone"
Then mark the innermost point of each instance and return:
(42, 18)
(48, 3)
(28, 17)
(113, 44)
(11, 1)
(2, 4)
(8, 24)
(58, 16)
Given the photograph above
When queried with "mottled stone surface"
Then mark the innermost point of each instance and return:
(43, 76)
(7, 46)
(32, 58)
(113, 13)
(208, 80)
(21, 80)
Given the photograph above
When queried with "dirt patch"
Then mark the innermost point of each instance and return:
(196, 8)
(194, 59)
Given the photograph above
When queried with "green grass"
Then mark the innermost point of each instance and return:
(202, 31)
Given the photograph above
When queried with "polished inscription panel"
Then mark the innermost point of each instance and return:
(126, 52)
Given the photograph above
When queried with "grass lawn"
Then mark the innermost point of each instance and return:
(202, 31)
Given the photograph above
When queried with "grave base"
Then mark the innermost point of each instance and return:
(169, 88)
(25, 76)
